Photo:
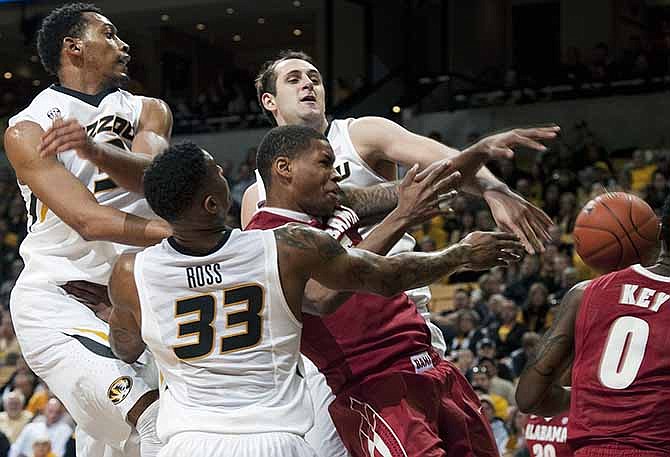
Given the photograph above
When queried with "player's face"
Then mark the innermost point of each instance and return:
(105, 54)
(300, 95)
(314, 183)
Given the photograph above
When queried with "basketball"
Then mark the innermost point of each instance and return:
(615, 230)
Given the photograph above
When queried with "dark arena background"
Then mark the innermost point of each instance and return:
(452, 70)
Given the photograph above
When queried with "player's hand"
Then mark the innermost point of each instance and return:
(94, 296)
(491, 249)
(66, 135)
(514, 214)
(424, 195)
(501, 145)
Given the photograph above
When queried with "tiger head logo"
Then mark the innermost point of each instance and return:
(54, 113)
(119, 389)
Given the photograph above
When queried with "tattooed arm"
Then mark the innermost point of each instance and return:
(305, 253)
(371, 203)
(540, 390)
(125, 335)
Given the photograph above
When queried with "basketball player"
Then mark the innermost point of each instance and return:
(614, 327)
(76, 210)
(548, 436)
(221, 309)
(394, 395)
(290, 91)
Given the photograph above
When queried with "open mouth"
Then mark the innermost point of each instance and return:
(309, 98)
(123, 60)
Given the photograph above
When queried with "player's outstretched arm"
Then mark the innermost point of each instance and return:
(306, 252)
(540, 390)
(125, 328)
(69, 199)
(378, 139)
(125, 168)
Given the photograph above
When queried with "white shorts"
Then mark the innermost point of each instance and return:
(421, 298)
(199, 444)
(323, 436)
(67, 346)
(87, 446)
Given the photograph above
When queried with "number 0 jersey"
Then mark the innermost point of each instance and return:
(226, 341)
(621, 371)
(52, 251)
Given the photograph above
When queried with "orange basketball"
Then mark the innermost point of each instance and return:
(616, 230)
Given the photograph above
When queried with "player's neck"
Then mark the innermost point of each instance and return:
(81, 83)
(199, 238)
(280, 201)
(283, 197)
(320, 125)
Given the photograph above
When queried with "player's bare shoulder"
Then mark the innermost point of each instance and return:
(156, 112)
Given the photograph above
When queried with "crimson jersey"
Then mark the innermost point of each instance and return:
(547, 436)
(621, 371)
(367, 332)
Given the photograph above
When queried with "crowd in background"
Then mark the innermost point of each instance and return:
(492, 322)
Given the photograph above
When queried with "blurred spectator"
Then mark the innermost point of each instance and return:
(464, 360)
(481, 382)
(52, 425)
(467, 225)
(529, 343)
(567, 212)
(528, 274)
(517, 433)
(500, 432)
(499, 386)
(639, 171)
(489, 285)
(25, 382)
(536, 308)
(245, 178)
(569, 278)
(433, 230)
(656, 192)
(486, 349)
(9, 346)
(14, 417)
(42, 447)
(509, 331)
(468, 332)
(551, 199)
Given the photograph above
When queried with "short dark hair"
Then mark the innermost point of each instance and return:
(266, 80)
(665, 222)
(68, 20)
(287, 140)
(174, 178)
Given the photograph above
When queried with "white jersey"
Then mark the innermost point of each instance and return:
(226, 341)
(356, 173)
(52, 251)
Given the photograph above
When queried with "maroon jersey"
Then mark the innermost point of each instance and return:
(367, 334)
(548, 436)
(621, 371)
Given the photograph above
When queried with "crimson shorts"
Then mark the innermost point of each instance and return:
(404, 414)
